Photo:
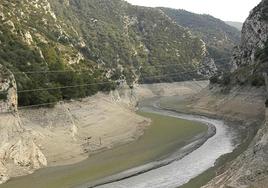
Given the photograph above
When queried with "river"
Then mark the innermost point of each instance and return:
(175, 149)
(181, 171)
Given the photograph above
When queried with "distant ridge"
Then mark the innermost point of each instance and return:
(220, 38)
(237, 25)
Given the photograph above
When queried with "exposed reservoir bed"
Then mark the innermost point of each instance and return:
(181, 171)
(166, 135)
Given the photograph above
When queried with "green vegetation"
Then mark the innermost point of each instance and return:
(223, 79)
(20, 58)
(252, 73)
(165, 135)
(248, 74)
(127, 43)
(262, 54)
(257, 80)
(241, 77)
(219, 36)
(3, 95)
(133, 37)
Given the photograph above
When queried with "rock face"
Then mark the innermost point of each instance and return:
(18, 150)
(254, 36)
(250, 168)
(249, 60)
(34, 138)
(8, 91)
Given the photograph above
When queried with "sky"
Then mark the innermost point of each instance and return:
(226, 10)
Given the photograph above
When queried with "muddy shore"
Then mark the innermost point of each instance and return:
(191, 145)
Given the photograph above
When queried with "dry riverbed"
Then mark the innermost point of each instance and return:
(161, 139)
(70, 132)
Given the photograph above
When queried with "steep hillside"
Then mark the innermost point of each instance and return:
(250, 58)
(32, 42)
(250, 168)
(8, 95)
(219, 37)
(58, 43)
(17, 144)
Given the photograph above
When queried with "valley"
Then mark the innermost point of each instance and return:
(165, 136)
(158, 148)
(103, 93)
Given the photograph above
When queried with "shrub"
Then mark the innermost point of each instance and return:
(214, 79)
(257, 81)
(3, 95)
(226, 79)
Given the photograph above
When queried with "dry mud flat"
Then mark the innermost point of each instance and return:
(65, 134)
(68, 133)
(71, 131)
(95, 123)
(182, 165)
(245, 106)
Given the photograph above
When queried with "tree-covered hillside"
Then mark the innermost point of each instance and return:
(219, 37)
(141, 39)
(51, 44)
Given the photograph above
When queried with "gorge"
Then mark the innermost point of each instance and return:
(83, 84)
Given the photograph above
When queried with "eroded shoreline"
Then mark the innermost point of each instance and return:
(85, 169)
(192, 145)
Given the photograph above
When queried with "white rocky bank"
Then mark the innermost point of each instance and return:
(18, 151)
(34, 138)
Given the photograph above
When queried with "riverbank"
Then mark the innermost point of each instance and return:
(243, 107)
(66, 134)
(88, 126)
(176, 154)
(244, 135)
(185, 167)
(161, 139)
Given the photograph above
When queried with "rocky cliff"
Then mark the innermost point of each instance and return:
(19, 154)
(250, 58)
(250, 168)
(8, 91)
(254, 36)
